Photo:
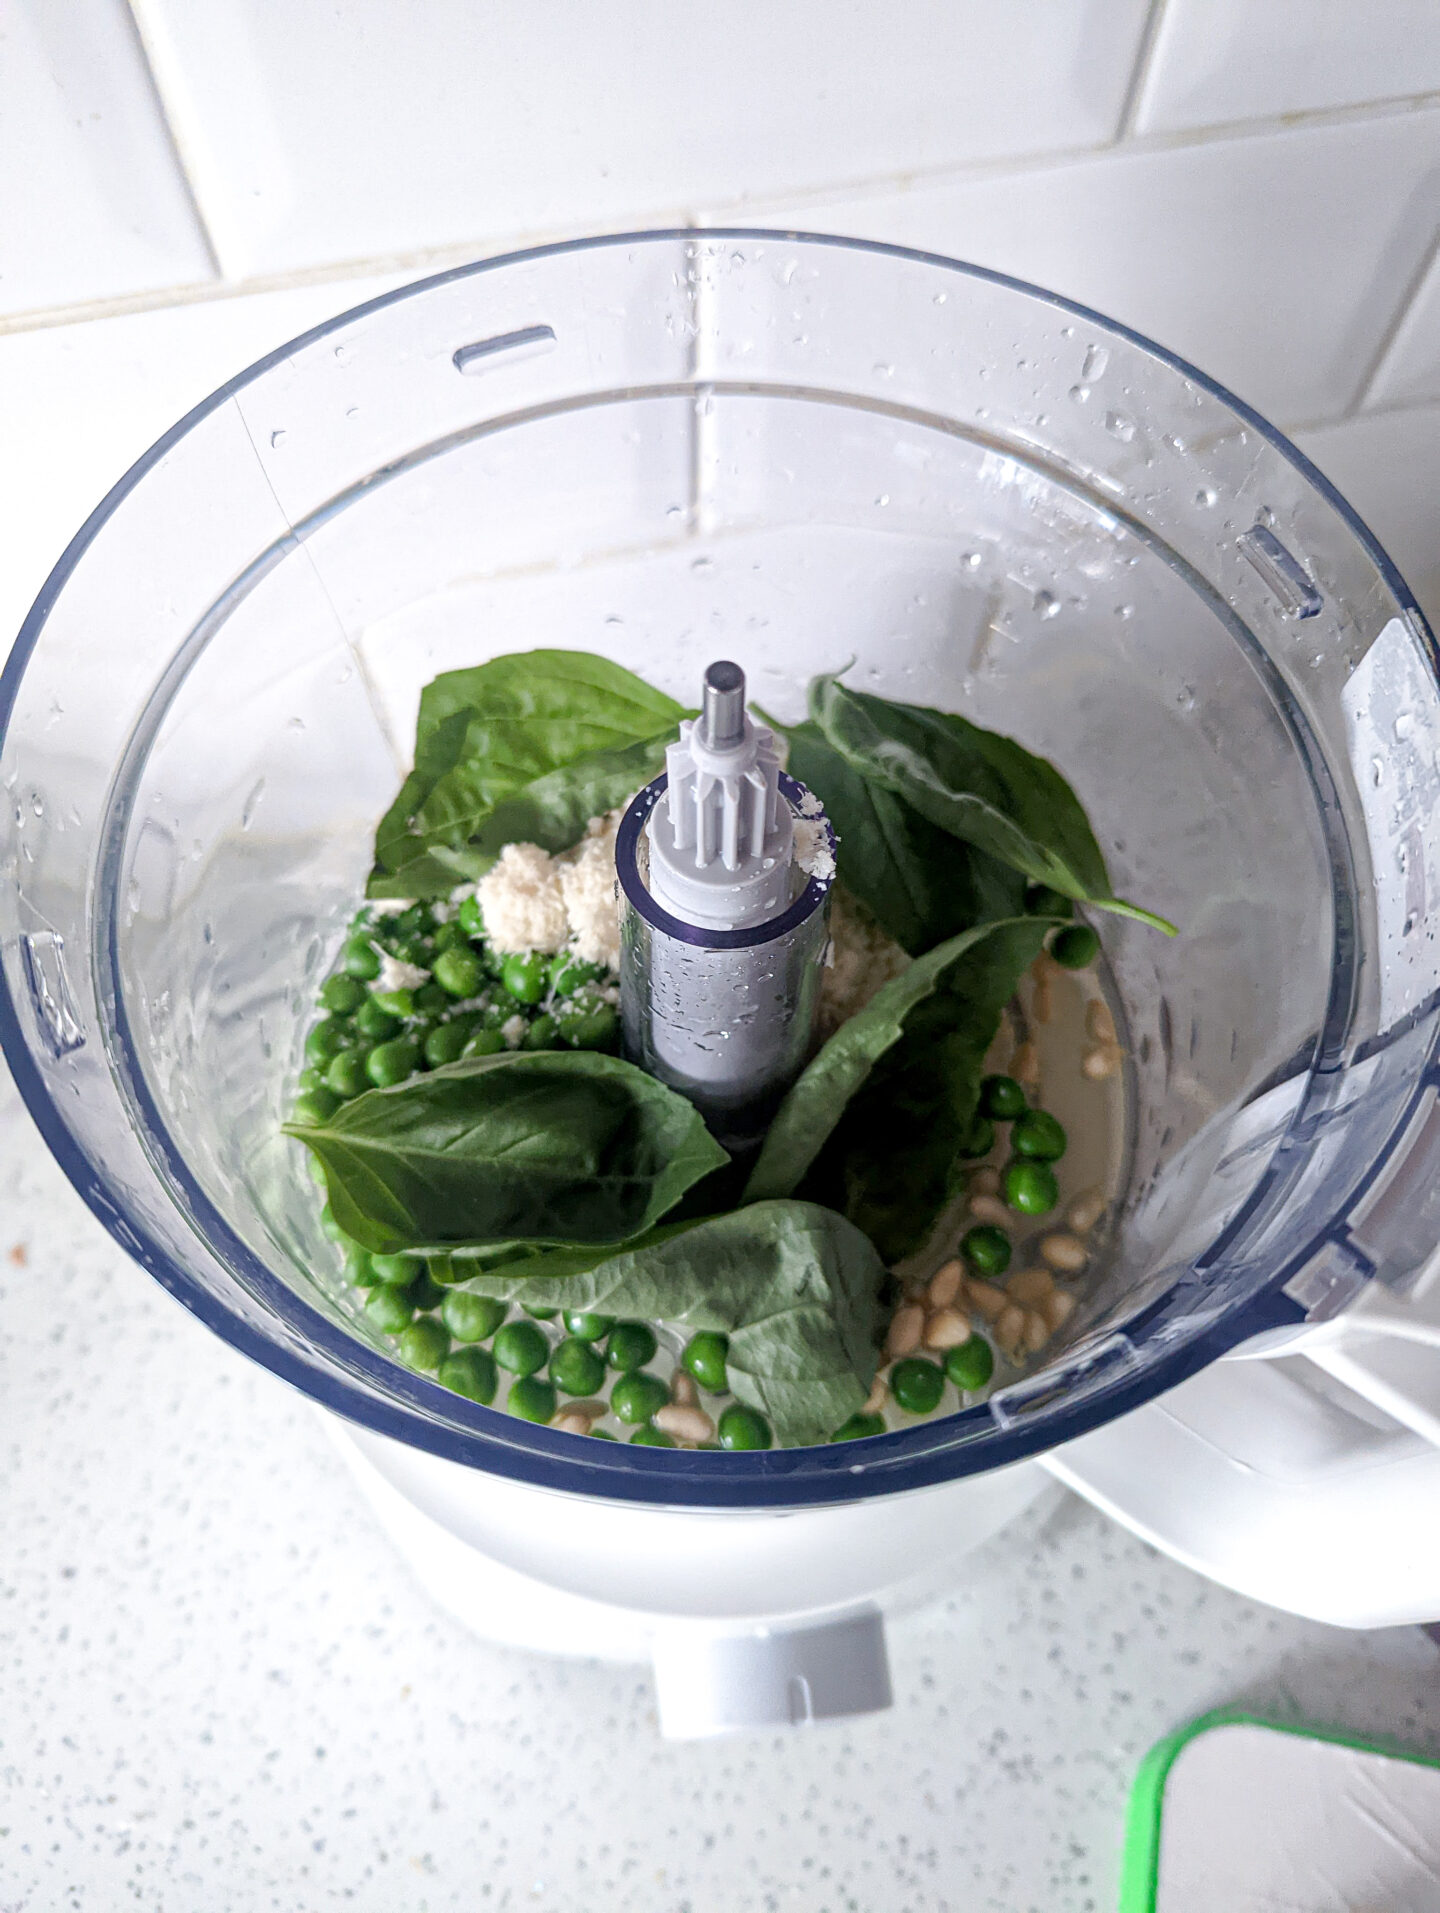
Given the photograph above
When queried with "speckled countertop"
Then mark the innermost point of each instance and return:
(222, 1691)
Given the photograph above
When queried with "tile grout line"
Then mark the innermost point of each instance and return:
(169, 120)
(1140, 73)
(1366, 387)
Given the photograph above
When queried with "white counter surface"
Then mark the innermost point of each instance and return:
(221, 1691)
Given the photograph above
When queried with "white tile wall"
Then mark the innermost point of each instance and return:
(1070, 141)
(331, 133)
(92, 201)
(1229, 251)
(1410, 371)
(1220, 60)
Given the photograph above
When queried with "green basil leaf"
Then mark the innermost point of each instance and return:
(975, 784)
(553, 1146)
(894, 1110)
(921, 884)
(794, 1286)
(992, 952)
(490, 735)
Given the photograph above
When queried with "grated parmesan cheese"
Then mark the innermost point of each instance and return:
(812, 846)
(513, 1030)
(862, 958)
(587, 884)
(398, 975)
(521, 901)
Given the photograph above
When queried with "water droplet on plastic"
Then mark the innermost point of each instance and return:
(1185, 697)
(1206, 497)
(1377, 771)
(1405, 725)
(971, 560)
(342, 355)
(278, 438)
(352, 411)
(37, 803)
(1118, 425)
(941, 297)
(1096, 360)
(1124, 611)
(1047, 605)
(883, 499)
(1080, 394)
(883, 371)
(702, 564)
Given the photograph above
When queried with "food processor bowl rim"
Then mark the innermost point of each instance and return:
(911, 1458)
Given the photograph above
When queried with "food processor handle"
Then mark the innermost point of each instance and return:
(709, 1683)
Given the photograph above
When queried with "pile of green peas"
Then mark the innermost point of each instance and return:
(369, 1038)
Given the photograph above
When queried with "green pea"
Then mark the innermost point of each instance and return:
(359, 1267)
(330, 1226)
(342, 995)
(971, 1365)
(471, 1318)
(346, 1075)
(397, 1003)
(418, 920)
(705, 1356)
(604, 1434)
(532, 1398)
(310, 1078)
(648, 1437)
(917, 1385)
(1076, 947)
(424, 1345)
(1003, 1098)
(390, 1063)
(1038, 1135)
(1029, 1187)
(484, 1043)
(497, 1010)
(986, 1248)
(414, 950)
(859, 1428)
(568, 972)
(586, 1023)
(315, 1107)
(524, 977)
(636, 1397)
(425, 1292)
(375, 1024)
(742, 1427)
(631, 1346)
(451, 936)
(539, 1311)
(469, 918)
(469, 1372)
(543, 1033)
(390, 1309)
(360, 959)
(327, 1039)
(446, 1041)
(979, 1138)
(1042, 901)
(460, 972)
(588, 1328)
(397, 1271)
(522, 1348)
(576, 1368)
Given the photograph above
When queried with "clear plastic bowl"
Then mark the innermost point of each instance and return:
(792, 451)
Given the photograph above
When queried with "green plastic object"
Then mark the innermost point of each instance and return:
(1145, 1816)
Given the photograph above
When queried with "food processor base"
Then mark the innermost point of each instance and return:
(779, 1625)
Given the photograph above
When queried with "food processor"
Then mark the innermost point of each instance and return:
(798, 454)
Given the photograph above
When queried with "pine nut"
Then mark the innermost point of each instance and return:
(1085, 1211)
(990, 1301)
(945, 1285)
(1099, 1023)
(685, 1424)
(989, 1209)
(1064, 1252)
(569, 1424)
(1045, 969)
(878, 1396)
(590, 1410)
(1030, 1287)
(947, 1328)
(1025, 1066)
(985, 1182)
(1042, 1005)
(1100, 1063)
(1058, 1310)
(1009, 1328)
(683, 1390)
(1036, 1334)
(907, 1325)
